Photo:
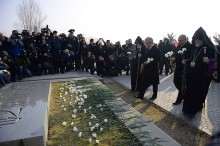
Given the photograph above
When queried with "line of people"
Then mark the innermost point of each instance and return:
(196, 64)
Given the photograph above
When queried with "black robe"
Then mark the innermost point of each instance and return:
(136, 63)
(198, 77)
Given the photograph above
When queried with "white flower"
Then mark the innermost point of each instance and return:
(71, 103)
(183, 49)
(128, 52)
(85, 111)
(64, 109)
(148, 60)
(92, 128)
(90, 107)
(85, 96)
(62, 106)
(80, 134)
(101, 129)
(79, 106)
(75, 110)
(66, 93)
(72, 123)
(94, 135)
(101, 109)
(75, 129)
(151, 59)
(166, 55)
(97, 141)
(93, 116)
(73, 116)
(64, 123)
(64, 100)
(90, 140)
(99, 105)
(90, 123)
(97, 125)
(105, 120)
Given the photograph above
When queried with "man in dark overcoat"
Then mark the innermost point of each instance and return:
(150, 73)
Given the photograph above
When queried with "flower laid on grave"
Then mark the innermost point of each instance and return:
(90, 119)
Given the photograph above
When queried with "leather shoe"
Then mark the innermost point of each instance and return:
(177, 102)
(136, 96)
(153, 97)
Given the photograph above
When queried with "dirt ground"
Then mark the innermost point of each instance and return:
(182, 132)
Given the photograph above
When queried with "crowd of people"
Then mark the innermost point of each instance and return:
(194, 64)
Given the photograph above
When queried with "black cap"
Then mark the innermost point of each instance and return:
(54, 31)
(71, 30)
(15, 32)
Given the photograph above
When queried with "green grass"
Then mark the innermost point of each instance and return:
(114, 132)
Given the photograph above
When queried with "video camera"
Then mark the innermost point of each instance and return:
(45, 31)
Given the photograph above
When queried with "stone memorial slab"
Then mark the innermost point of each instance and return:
(24, 113)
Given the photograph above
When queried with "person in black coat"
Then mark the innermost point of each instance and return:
(100, 58)
(182, 54)
(136, 64)
(56, 50)
(150, 73)
(72, 44)
(165, 47)
(200, 68)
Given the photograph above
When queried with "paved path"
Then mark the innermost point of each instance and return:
(208, 120)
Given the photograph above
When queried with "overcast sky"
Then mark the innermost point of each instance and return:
(122, 19)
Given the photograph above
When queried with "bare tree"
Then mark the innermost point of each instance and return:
(171, 37)
(216, 38)
(29, 15)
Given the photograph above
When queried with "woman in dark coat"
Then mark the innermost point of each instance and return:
(200, 68)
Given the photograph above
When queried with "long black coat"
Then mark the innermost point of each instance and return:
(197, 80)
(150, 72)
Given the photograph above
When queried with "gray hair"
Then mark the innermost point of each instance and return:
(183, 36)
(149, 39)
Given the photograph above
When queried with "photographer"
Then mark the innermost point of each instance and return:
(56, 52)
(4, 73)
(36, 60)
(4, 43)
(16, 47)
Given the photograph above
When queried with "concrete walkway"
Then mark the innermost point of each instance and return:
(208, 120)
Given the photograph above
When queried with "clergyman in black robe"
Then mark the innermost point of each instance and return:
(200, 68)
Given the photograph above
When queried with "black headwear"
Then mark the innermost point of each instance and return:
(201, 35)
(139, 41)
(71, 30)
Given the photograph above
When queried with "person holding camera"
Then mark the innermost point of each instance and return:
(4, 72)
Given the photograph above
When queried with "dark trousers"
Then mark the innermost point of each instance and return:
(165, 63)
(144, 87)
(178, 82)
